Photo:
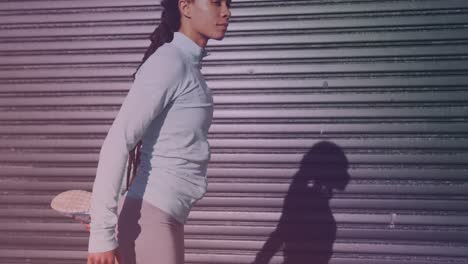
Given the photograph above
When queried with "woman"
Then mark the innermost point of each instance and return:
(168, 112)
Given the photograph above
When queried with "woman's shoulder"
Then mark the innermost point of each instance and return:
(167, 57)
(169, 51)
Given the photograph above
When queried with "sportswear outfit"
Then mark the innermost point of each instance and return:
(170, 108)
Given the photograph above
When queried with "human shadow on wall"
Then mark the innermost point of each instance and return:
(307, 229)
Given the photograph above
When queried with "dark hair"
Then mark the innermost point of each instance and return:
(164, 32)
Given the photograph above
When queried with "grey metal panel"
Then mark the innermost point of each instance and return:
(236, 143)
(317, 55)
(385, 81)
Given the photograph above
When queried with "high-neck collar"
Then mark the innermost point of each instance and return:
(191, 49)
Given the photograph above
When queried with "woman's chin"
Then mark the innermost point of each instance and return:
(219, 35)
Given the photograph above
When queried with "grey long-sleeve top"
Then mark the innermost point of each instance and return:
(170, 108)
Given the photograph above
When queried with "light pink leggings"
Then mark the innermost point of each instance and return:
(148, 235)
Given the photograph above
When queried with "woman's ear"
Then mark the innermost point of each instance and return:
(185, 7)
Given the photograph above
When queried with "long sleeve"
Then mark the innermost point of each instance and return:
(156, 84)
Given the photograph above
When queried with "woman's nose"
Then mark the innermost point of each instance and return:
(226, 11)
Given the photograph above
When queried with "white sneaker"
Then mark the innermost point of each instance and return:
(74, 204)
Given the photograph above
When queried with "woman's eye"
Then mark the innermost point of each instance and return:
(218, 3)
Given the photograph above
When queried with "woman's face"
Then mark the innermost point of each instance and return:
(210, 18)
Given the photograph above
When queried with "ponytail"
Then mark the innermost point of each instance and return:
(164, 32)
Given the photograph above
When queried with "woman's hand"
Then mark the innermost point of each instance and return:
(107, 257)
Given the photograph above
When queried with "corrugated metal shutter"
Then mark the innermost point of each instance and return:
(376, 90)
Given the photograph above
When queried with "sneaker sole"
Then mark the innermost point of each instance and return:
(74, 204)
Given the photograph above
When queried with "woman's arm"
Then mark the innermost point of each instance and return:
(155, 85)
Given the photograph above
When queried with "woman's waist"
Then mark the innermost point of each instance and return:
(172, 168)
(178, 182)
(176, 165)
